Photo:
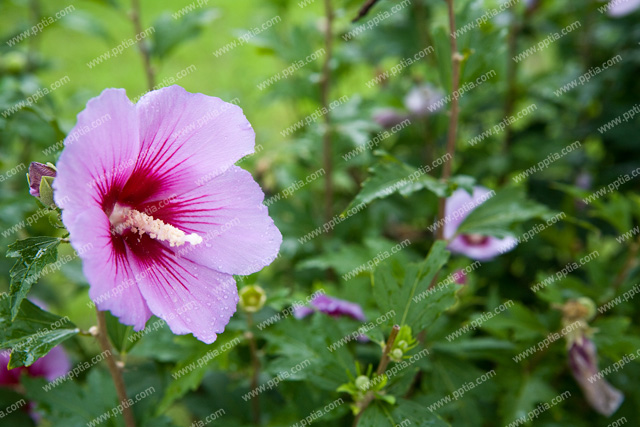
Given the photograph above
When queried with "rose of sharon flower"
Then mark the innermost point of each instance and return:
(158, 212)
(475, 246)
(601, 395)
(332, 306)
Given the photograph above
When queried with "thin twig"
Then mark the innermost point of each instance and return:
(255, 364)
(115, 372)
(364, 9)
(325, 91)
(453, 118)
(143, 47)
(382, 367)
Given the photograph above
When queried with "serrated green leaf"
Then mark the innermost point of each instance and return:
(391, 176)
(188, 374)
(33, 333)
(497, 215)
(407, 291)
(34, 253)
(383, 415)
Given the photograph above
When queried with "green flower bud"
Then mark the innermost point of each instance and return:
(363, 383)
(396, 354)
(402, 345)
(589, 305)
(252, 298)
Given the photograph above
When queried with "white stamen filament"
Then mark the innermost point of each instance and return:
(123, 218)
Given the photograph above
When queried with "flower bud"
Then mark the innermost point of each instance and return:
(40, 178)
(396, 355)
(590, 307)
(252, 298)
(362, 382)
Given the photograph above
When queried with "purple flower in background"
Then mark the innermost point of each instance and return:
(389, 117)
(158, 212)
(583, 360)
(332, 306)
(617, 8)
(475, 246)
(53, 365)
(423, 100)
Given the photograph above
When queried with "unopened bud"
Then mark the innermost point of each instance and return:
(363, 383)
(252, 298)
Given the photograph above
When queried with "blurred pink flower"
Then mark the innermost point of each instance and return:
(55, 364)
(617, 8)
(475, 246)
(389, 117)
(423, 100)
(332, 306)
(158, 175)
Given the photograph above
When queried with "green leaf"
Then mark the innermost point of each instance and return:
(34, 253)
(443, 56)
(170, 33)
(72, 405)
(391, 176)
(33, 333)
(407, 292)
(383, 415)
(119, 333)
(188, 374)
(498, 214)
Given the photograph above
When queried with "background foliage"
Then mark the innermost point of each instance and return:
(65, 47)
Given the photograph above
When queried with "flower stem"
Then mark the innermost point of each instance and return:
(255, 363)
(325, 91)
(382, 367)
(143, 47)
(114, 370)
(453, 118)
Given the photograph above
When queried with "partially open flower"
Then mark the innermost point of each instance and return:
(40, 178)
(601, 395)
(332, 306)
(159, 214)
(475, 246)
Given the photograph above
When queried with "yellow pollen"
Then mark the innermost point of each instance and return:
(123, 218)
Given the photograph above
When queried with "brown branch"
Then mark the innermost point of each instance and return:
(364, 9)
(143, 47)
(255, 364)
(114, 370)
(325, 91)
(453, 118)
(382, 367)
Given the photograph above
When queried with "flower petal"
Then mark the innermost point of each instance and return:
(105, 264)
(189, 297)
(483, 252)
(96, 163)
(187, 139)
(227, 212)
(53, 365)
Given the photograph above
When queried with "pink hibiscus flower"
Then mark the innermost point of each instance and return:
(167, 218)
(475, 246)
